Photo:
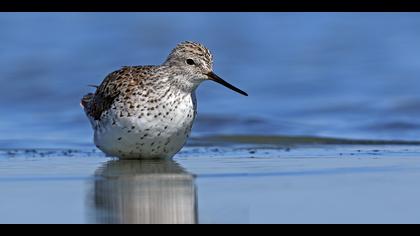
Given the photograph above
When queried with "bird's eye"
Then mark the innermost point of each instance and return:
(190, 62)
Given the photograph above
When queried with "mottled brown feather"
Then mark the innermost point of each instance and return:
(114, 85)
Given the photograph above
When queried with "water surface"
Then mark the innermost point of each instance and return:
(301, 183)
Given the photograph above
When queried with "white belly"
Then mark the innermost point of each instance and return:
(159, 133)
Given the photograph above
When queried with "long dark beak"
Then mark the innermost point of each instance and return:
(219, 80)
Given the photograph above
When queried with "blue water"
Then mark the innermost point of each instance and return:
(320, 184)
(349, 83)
(345, 75)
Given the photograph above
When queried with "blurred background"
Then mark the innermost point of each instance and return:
(344, 75)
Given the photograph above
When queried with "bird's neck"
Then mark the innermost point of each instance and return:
(182, 84)
(181, 81)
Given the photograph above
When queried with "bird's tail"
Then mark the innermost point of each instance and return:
(85, 100)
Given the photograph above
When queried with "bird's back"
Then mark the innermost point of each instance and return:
(122, 82)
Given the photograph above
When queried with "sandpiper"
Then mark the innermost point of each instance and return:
(145, 112)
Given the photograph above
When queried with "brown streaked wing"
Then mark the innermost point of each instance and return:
(114, 84)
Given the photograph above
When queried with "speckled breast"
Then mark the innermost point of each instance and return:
(153, 130)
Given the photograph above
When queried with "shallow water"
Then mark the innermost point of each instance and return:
(328, 134)
(236, 183)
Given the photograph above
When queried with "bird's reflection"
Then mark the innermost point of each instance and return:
(148, 191)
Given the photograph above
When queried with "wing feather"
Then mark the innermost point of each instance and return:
(114, 85)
